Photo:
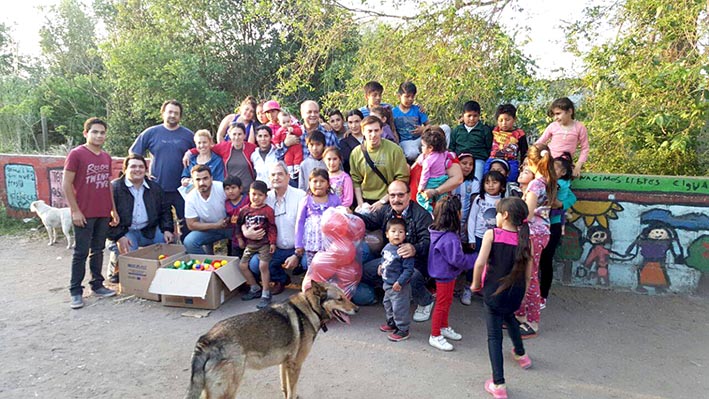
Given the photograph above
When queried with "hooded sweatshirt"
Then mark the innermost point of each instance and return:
(446, 259)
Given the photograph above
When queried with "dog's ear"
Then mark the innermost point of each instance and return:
(319, 289)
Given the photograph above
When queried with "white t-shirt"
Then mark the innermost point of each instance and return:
(286, 213)
(208, 210)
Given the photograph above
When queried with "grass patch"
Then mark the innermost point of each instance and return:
(11, 226)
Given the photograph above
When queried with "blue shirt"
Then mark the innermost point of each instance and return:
(365, 110)
(215, 164)
(140, 214)
(167, 148)
(406, 122)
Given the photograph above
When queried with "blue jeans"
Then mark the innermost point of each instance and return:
(479, 169)
(90, 241)
(137, 239)
(195, 239)
(275, 266)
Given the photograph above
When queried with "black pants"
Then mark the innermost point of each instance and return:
(494, 320)
(175, 199)
(89, 243)
(546, 261)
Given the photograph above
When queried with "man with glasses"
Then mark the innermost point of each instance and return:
(284, 200)
(415, 246)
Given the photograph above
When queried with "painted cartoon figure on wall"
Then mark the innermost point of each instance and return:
(598, 255)
(653, 244)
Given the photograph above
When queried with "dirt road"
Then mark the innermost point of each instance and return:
(593, 344)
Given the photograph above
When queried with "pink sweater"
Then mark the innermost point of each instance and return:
(561, 140)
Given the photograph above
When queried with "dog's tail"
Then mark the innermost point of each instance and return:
(200, 356)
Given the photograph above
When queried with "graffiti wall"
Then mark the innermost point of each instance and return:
(20, 185)
(28, 178)
(649, 234)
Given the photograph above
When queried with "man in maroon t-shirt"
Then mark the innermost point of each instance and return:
(87, 188)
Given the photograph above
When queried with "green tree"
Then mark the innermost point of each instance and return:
(452, 51)
(646, 88)
(207, 53)
(72, 86)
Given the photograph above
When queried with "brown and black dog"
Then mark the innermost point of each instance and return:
(281, 334)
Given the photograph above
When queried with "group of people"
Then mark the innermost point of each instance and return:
(475, 201)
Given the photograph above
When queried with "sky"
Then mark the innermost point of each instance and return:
(544, 20)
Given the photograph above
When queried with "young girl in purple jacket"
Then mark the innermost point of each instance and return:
(446, 261)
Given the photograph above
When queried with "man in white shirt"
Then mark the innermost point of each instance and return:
(205, 211)
(284, 200)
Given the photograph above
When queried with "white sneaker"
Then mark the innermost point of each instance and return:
(440, 342)
(423, 313)
(467, 297)
(449, 333)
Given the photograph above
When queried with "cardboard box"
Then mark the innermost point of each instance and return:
(137, 268)
(198, 289)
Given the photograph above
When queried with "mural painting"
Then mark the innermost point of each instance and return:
(20, 185)
(649, 242)
(56, 193)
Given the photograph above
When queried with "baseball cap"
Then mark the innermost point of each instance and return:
(271, 105)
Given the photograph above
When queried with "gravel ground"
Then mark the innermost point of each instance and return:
(593, 344)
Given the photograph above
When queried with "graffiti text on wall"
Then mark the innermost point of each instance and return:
(656, 184)
(20, 185)
(56, 193)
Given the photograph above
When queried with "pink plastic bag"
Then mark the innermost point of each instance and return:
(338, 263)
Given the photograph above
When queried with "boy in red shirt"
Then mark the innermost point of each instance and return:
(260, 216)
(87, 189)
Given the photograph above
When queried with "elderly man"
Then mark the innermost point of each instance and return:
(415, 246)
(310, 112)
(375, 164)
(284, 200)
(205, 211)
(145, 216)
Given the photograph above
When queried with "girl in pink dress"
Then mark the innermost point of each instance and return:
(308, 233)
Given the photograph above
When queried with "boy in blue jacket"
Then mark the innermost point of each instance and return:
(396, 273)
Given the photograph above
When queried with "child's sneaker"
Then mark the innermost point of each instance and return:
(467, 297)
(398, 335)
(423, 313)
(497, 391)
(264, 302)
(251, 295)
(449, 333)
(440, 342)
(543, 304)
(388, 327)
(524, 361)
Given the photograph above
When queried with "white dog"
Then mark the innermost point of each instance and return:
(52, 218)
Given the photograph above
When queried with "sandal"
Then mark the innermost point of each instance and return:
(526, 331)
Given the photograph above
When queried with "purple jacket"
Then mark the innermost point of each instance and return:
(445, 257)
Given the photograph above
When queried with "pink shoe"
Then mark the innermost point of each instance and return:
(497, 391)
(524, 361)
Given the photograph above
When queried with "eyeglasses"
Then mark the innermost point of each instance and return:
(397, 195)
